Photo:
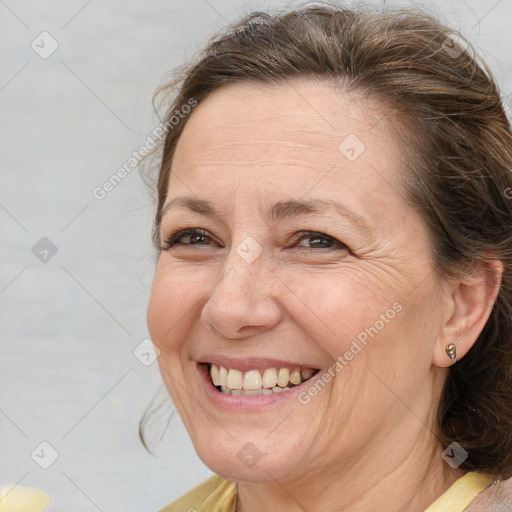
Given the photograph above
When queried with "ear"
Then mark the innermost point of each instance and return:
(468, 304)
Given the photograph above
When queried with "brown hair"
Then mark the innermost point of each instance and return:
(458, 171)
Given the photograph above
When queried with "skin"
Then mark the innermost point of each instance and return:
(366, 442)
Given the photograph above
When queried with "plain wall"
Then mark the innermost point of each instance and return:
(69, 326)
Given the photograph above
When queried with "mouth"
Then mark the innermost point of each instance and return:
(257, 382)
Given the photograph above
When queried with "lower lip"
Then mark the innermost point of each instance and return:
(244, 403)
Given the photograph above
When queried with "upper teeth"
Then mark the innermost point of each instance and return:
(252, 380)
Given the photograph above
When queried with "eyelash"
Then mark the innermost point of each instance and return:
(176, 235)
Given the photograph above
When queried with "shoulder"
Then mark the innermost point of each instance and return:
(215, 494)
(496, 498)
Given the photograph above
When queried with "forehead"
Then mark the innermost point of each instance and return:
(305, 134)
(238, 118)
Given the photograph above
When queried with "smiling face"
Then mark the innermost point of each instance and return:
(300, 255)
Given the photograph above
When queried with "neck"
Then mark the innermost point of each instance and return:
(374, 481)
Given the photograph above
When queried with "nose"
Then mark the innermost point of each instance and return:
(242, 304)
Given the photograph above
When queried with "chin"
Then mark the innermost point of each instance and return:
(255, 458)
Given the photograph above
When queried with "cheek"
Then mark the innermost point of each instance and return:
(368, 322)
(335, 308)
(171, 311)
(172, 305)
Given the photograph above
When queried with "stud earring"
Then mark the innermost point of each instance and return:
(451, 350)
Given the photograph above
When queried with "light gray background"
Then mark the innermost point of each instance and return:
(69, 326)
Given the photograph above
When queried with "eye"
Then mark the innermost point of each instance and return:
(198, 236)
(190, 236)
(316, 240)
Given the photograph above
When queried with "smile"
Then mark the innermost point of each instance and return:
(266, 381)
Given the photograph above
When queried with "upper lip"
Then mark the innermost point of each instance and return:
(245, 364)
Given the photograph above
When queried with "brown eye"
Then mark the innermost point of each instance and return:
(318, 241)
(194, 238)
(191, 236)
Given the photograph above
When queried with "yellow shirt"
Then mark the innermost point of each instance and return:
(219, 495)
(18, 498)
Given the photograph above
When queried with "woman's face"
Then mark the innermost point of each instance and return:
(304, 258)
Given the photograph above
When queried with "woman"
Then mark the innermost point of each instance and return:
(332, 299)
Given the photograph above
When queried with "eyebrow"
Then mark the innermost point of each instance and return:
(279, 211)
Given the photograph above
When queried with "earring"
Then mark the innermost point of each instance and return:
(451, 350)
